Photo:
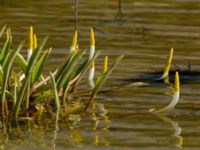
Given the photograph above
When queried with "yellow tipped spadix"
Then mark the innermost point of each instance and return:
(74, 42)
(92, 39)
(177, 84)
(31, 38)
(105, 66)
(34, 41)
(168, 65)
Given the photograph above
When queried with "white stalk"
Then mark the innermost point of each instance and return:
(92, 51)
(175, 97)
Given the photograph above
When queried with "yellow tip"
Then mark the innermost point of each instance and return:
(74, 42)
(93, 65)
(34, 41)
(168, 65)
(177, 84)
(92, 39)
(105, 67)
(31, 37)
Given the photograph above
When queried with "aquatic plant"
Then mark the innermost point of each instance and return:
(175, 97)
(28, 91)
(165, 74)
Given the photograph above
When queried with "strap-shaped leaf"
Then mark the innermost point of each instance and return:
(55, 92)
(39, 66)
(21, 61)
(2, 30)
(62, 70)
(34, 57)
(1, 76)
(7, 69)
(69, 69)
(5, 50)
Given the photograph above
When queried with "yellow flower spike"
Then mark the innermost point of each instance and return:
(105, 67)
(92, 39)
(168, 65)
(34, 41)
(177, 84)
(74, 42)
(92, 44)
(30, 50)
(31, 38)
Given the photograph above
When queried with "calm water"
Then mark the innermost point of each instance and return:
(144, 31)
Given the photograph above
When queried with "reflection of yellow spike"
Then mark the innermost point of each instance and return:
(177, 84)
(93, 65)
(168, 65)
(180, 141)
(74, 42)
(96, 139)
(40, 111)
(105, 67)
(92, 39)
(31, 38)
(34, 41)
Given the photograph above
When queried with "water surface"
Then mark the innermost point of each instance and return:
(142, 30)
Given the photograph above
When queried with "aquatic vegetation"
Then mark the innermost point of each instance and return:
(175, 97)
(28, 91)
(168, 65)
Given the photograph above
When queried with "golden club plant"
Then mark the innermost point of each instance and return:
(21, 91)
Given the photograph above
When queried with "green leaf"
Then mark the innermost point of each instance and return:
(39, 66)
(34, 57)
(69, 69)
(4, 52)
(22, 95)
(2, 30)
(7, 69)
(66, 63)
(55, 92)
(21, 61)
(1, 76)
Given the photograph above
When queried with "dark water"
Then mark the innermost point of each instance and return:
(142, 30)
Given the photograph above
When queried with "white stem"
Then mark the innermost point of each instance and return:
(92, 50)
(30, 51)
(91, 74)
(173, 103)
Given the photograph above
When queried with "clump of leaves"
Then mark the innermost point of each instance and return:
(23, 91)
